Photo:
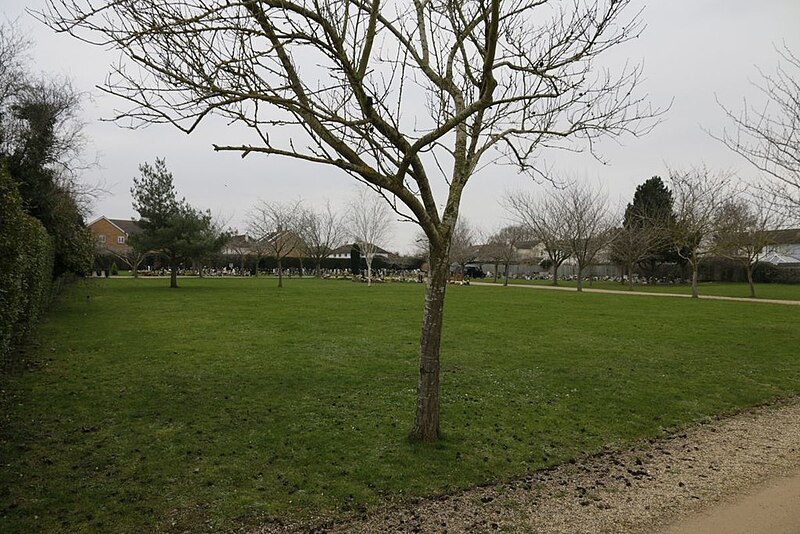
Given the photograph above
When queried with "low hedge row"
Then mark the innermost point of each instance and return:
(26, 267)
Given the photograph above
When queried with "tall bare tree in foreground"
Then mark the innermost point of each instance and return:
(588, 224)
(410, 98)
(276, 228)
(699, 194)
(370, 222)
(547, 219)
(768, 134)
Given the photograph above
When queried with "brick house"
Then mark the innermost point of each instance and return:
(111, 235)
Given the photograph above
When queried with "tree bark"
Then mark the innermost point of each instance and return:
(173, 275)
(426, 423)
(630, 277)
(505, 281)
(280, 273)
(580, 277)
(555, 273)
(496, 268)
(695, 292)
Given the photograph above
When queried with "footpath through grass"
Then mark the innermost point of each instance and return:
(717, 289)
(228, 402)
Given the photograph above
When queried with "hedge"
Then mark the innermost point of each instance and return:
(26, 267)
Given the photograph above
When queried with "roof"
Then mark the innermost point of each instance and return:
(776, 258)
(126, 225)
(345, 249)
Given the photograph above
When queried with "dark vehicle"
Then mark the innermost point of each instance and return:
(474, 272)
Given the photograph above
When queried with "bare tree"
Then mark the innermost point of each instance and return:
(744, 228)
(463, 244)
(635, 243)
(240, 245)
(546, 219)
(370, 223)
(504, 247)
(698, 197)
(402, 96)
(322, 232)
(768, 134)
(587, 223)
(275, 226)
(131, 255)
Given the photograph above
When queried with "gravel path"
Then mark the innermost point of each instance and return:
(642, 293)
(653, 487)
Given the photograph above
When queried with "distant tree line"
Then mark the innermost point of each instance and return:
(702, 216)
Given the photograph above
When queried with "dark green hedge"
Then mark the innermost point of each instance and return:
(26, 267)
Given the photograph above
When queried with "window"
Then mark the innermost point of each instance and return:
(101, 238)
(120, 240)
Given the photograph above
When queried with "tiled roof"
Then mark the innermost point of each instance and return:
(126, 225)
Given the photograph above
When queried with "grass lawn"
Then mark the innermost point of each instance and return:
(229, 401)
(721, 289)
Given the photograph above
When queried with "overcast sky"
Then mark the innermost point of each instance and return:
(692, 50)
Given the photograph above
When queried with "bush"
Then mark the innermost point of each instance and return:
(26, 261)
(772, 274)
(114, 269)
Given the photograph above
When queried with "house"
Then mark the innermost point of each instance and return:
(111, 235)
(343, 253)
(785, 248)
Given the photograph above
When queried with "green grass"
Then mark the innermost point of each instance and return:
(227, 402)
(721, 289)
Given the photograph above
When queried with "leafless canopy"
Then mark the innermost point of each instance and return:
(699, 194)
(276, 229)
(768, 134)
(322, 231)
(546, 217)
(370, 223)
(588, 223)
(354, 75)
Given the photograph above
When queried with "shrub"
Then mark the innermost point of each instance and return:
(26, 261)
(114, 269)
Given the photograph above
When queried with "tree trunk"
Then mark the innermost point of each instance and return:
(369, 271)
(173, 275)
(280, 273)
(505, 281)
(496, 268)
(749, 270)
(426, 423)
(301, 267)
(255, 270)
(318, 269)
(695, 292)
(580, 277)
(555, 273)
(135, 268)
(630, 277)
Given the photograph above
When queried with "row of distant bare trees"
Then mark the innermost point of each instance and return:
(711, 216)
(284, 229)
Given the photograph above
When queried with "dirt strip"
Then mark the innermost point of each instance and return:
(653, 487)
